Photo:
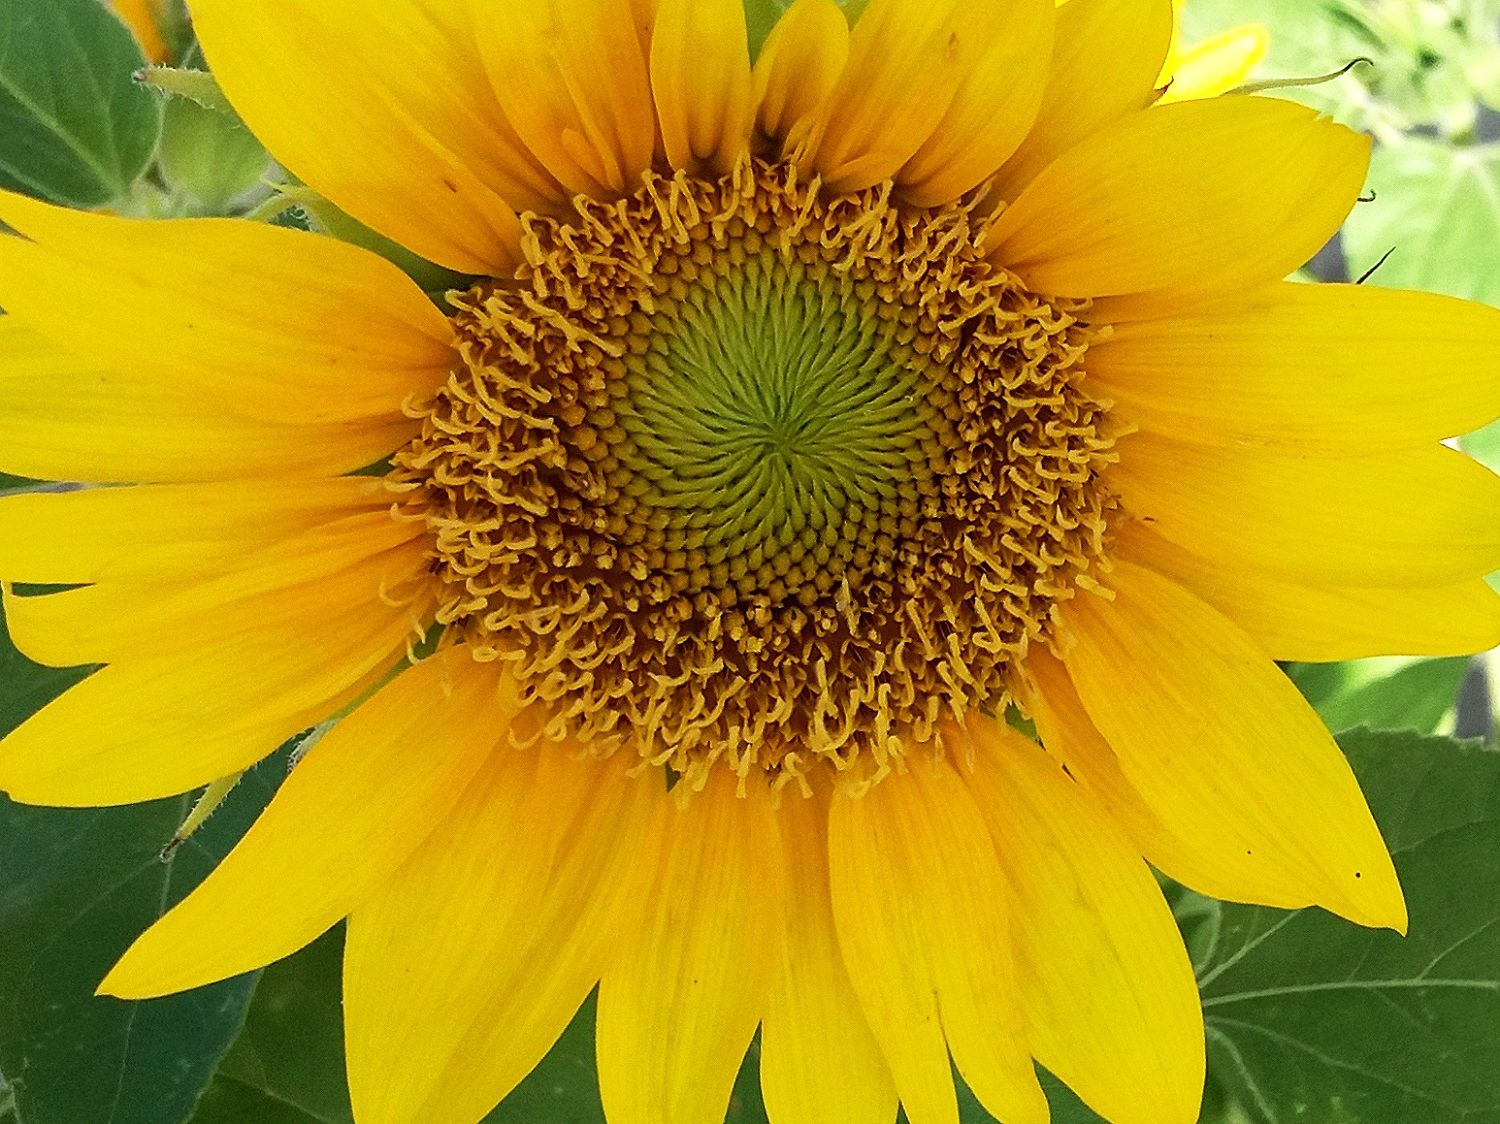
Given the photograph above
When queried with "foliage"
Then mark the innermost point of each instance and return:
(76, 887)
(74, 129)
(1309, 1018)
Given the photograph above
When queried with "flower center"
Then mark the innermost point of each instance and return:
(736, 471)
(776, 426)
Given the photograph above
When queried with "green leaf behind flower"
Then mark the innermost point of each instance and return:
(1313, 1019)
(1484, 446)
(76, 887)
(210, 156)
(760, 17)
(1383, 694)
(287, 1065)
(76, 129)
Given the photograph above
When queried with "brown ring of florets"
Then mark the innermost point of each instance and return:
(842, 631)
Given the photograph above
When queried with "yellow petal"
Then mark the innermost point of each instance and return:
(993, 108)
(348, 815)
(385, 109)
(700, 76)
(1337, 365)
(207, 699)
(643, 19)
(918, 901)
(572, 77)
(344, 566)
(143, 17)
(1107, 990)
(799, 65)
(1104, 66)
(273, 324)
(66, 418)
(679, 1004)
(1223, 749)
(460, 972)
(238, 616)
(1070, 735)
(1218, 64)
(906, 61)
(1427, 516)
(1316, 623)
(1177, 6)
(1204, 196)
(157, 533)
(819, 1061)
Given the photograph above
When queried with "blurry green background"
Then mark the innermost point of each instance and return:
(1309, 1019)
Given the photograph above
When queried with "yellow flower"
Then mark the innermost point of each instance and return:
(800, 419)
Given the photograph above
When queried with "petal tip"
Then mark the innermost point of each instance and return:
(126, 981)
(1377, 901)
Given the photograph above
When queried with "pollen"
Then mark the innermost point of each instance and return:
(736, 472)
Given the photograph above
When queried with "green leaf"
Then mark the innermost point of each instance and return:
(1066, 1108)
(1439, 207)
(1384, 693)
(25, 687)
(565, 1087)
(1417, 696)
(1319, 682)
(175, 83)
(1310, 1018)
(76, 887)
(76, 128)
(287, 1065)
(1389, 693)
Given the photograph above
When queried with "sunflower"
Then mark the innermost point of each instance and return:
(672, 581)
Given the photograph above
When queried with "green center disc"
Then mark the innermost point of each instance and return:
(777, 417)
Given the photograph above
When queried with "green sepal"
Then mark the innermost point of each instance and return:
(197, 86)
(210, 156)
(326, 218)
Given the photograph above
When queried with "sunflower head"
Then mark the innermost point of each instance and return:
(737, 471)
(800, 416)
